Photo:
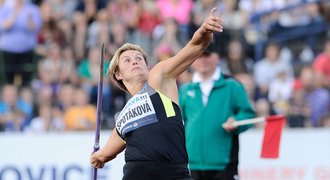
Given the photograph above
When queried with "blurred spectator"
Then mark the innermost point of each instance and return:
(82, 115)
(79, 34)
(45, 121)
(62, 9)
(280, 91)
(236, 61)
(322, 64)
(50, 32)
(90, 9)
(326, 121)
(19, 25)
(163, 52)
(316, 97)
(265, 70)
(25, 96)
(124, 12)
(149, 16)
(118, 36)
(65, 96)
(325, 10)
(235, 18)
(299, 111)
(148, 19)
(200, 10)
(179, 10)
(14, 112)
(68, 74)
(301, 15)
(166, 35)
(55, 66)
(45, 95)
(89, 72)
(249, 85)
(263, 109)
(99, 30)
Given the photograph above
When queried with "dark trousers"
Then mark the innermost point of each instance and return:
(227, 174)
(18, 67)
(156, 171)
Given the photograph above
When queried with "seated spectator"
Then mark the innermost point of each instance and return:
(65, 96)
(45, 121)
(124, 12)
(263, 109)
(322, 64)
(316, 96)
(299, 111)
(280, 91)
(180, 11)
(90, 8)
(236, 61)
(79, 35)
(249, 85)
(50, 32)
(99, 30)
(265, 70)
(82, 115)
(89, 72)
(14, 114)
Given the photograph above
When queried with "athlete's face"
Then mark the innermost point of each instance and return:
(131, 66)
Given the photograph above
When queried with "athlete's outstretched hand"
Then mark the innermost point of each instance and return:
(212, 23)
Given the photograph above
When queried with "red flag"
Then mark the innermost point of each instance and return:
(272, 136)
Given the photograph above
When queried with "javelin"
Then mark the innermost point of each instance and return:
(98, 110)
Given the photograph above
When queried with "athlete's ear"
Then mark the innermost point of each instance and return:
(118, 76)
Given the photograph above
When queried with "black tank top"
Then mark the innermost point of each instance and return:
(151, 124)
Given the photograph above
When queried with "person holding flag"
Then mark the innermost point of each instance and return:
(210, 105)
(150, 126)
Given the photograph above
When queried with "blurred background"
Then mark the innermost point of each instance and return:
(49, 67)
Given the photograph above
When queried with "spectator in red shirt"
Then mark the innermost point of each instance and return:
(322, 64)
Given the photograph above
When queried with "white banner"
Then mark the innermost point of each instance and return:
(304, 155)
(63, 156)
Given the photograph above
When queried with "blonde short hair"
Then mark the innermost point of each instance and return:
(114, 63)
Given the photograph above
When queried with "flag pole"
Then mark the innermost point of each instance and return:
(98, 110)
(249, 121)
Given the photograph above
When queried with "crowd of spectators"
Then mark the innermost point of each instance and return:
(55, 88)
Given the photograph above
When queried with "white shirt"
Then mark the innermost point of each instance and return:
(206, 85)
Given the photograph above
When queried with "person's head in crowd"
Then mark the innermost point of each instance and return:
(327, 46)
(262, 107)
(325, 122)
(81, 97)
(9, 95)
(248, 83)
(163, 52)
(235, 50)
(54, 52)
(207, 63)
(45, 96)
(308, 78)
(65, 96)
(272, 51)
